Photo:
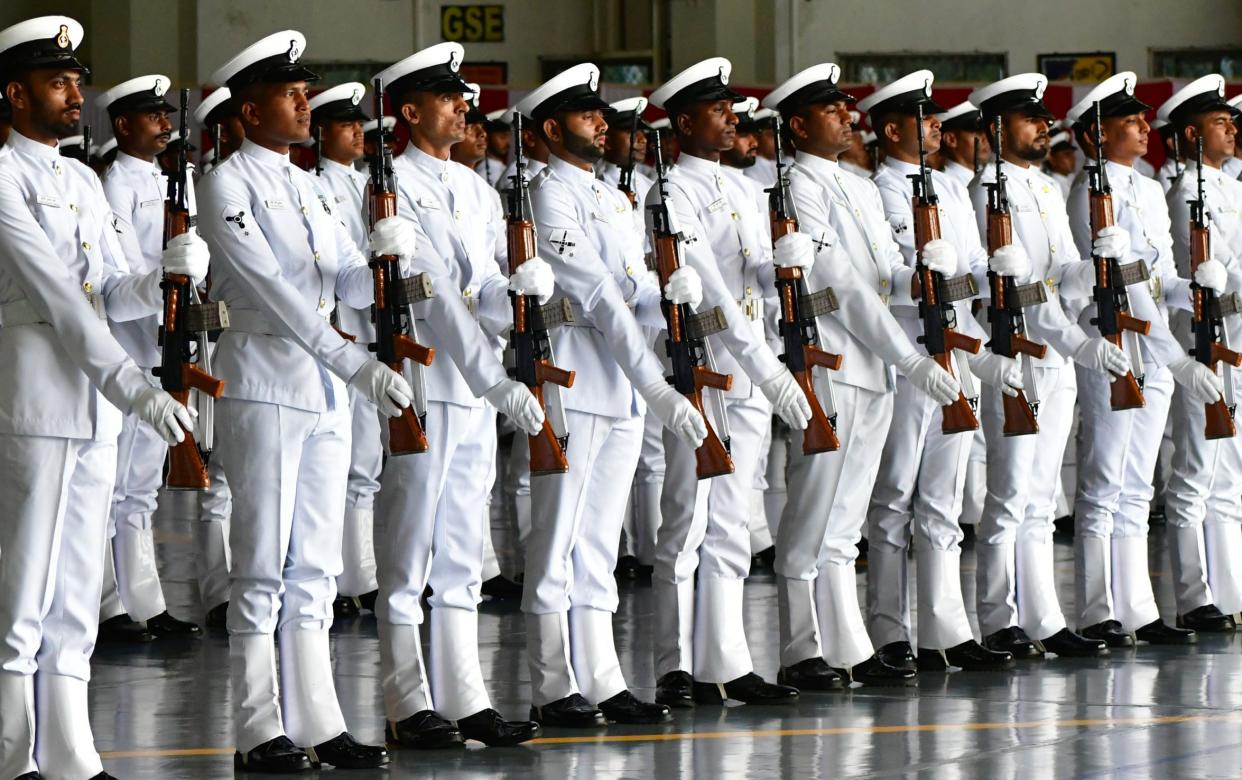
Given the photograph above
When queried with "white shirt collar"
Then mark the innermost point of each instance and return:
(571, 172)
(689, 162)
(817, 164)
(127, 161)
(433, 165)
(264, 155)
(344, 170)
(20, 143)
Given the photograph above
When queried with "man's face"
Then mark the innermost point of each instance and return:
(959, 146)
(581, 133)
(1026, 137)
(499, 143)
(745, 149)
(473, 147)
(1061, 161)
(1219, 136)
(901, 131)
(766, 143)
(1125, 137)
(143, 134)
(439, 118)
(826, 126)
(617, 144)
(232, 134)
(279, 112)
(342, 139)
(52, 99)
(712, 125)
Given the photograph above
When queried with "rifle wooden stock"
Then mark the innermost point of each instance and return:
(186, 468)
(958, 416)
(1019, 416)
(712, 457)
(1000, 231)
(546, 454)
(1218, 422)
(1125, 393)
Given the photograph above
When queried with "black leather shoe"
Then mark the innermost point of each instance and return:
(875, 672)
(424, 730)
(165, 626)
(218, 617)
(898, 654)
(767, 557)
(1070, 645)
(749, 688)
(100, 776)
(625, 707)
(1157, 632)
(276, 756)
(1110, 632)
(500, 587)
(1014, 641)
(367, 600)
(969, 656)
(676, 690)
(122, 630)
(345, 752)
(488, 727)
(627, 568)
(1208, 619)
(37, 776)
(813, 674)
(344, 608)
(571, 712)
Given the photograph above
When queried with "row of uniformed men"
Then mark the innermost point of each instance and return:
(282, 252)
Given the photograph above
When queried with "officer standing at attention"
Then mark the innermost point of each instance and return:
(280, 259)
(587, 231)
(66, 387)
(430, 511)
(960, 136)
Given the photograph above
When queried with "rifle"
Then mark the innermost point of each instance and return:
(1112, 304)
(395, 295)
(976, 163)
(533, 363)
(1005, 308)
(687, 347)
(798, 327)
(1211, 341)
(215, 144)
(185, 363)
(940, 335)
(86, 145)
(319, 151)
(625, 182)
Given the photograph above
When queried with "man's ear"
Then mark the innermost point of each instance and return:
(17, 94)
(552, 130)
(684, 123)
(409, 112)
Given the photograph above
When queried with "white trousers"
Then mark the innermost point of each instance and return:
(1015, 583)
(1204, 509)
(430, 527)
(517, 490)
(56, 493)
(757, 522)
(817, 541)
(1116, 465)
(366, 459)
(139, 471)
(570, 593)
(775, 494)
(706, 530)
(918, 493)
(212, 559)
(642, 522)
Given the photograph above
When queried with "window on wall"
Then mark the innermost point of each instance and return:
(1193, 63)
(631, 70)
(883, 68)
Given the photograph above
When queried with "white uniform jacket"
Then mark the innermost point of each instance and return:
(347, 187)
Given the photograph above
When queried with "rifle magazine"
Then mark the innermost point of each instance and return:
(706, 323)
(818, 304)
(959, 288)
(1227, 305)
(1133, 273)
(557, 313)
(414, 289)
(209, 317)
(1026, 295)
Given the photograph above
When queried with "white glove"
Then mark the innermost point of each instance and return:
(383, 387)
(1211, 274)
(162, 412)
(515, 401)
(1011, 260)
(187, 255)
(998, 371)
(1199, 380)
(676, 413)
(533, 278)
(927, 375)
(794, 250)
(940, 256)
(1112, 241)
(788, 401)
(684, 286)
(1100, 354)
(394, 236)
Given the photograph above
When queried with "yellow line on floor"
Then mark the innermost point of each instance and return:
(1167, 720)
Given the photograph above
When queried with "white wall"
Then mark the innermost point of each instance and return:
(1024, 28)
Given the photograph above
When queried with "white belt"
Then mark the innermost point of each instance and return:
(22, 313)
(472, 306)
(256, 322)
(752, 308)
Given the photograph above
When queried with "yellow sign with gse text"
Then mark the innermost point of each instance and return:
(472, 23)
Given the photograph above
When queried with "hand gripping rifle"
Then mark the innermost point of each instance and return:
(940, 335)
(533, 363)
(1112, 304)
(1211, 341)
(185, 364)
(625, 182)
(798, 327)
(1008, 299)
(688, 350)
(395, 295)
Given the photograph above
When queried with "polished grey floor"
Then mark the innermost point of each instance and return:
(163, 710)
